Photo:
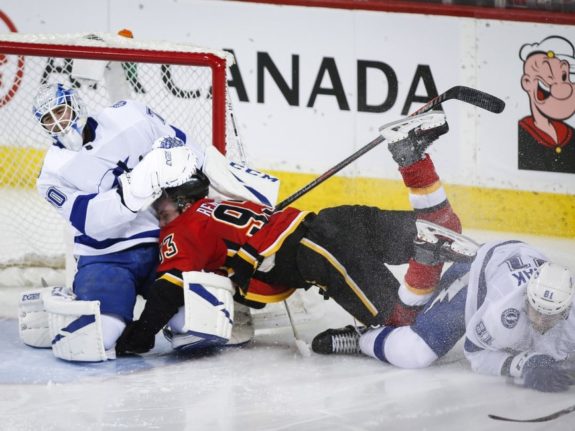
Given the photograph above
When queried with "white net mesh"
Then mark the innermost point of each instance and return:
(176, 80)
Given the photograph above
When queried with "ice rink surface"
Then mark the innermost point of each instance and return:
(266, 385)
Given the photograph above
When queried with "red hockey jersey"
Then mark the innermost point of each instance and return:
(207, 235)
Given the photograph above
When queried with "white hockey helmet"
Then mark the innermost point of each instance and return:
(550, 291)
(62, 113)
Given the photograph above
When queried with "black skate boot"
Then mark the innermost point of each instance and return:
(342, 340)
(409, 138)
(436, 244)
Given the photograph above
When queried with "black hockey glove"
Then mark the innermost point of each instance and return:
(137, 338)
(163, 302)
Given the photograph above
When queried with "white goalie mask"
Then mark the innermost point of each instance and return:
(550, 295)
(61, 113)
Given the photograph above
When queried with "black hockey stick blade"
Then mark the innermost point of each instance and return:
(468, 95)
(540, 419)
(479, 98)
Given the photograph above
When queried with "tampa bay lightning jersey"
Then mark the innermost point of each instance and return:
(82, 185)
(496, 321)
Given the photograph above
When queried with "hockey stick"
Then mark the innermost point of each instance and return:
(540, 419)
(464, 94)
(301, 345)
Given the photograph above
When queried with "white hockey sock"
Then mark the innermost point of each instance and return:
(427, 197)
(372, 342)
(112, 328)
(408, 297)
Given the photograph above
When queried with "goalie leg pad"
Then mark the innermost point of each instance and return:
(242, 331)
(33, 319)
(76, 330)
(208, 310)
(184, 340)
(191, 340)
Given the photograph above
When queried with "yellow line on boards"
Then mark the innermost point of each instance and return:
(502, 210)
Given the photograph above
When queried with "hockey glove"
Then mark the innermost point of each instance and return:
(543, 373)
(170, 163)
(163, 302)
(137, 338)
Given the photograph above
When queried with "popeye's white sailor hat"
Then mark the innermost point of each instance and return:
(553, 46)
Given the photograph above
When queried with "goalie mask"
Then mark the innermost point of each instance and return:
(61, 113)
(550, 295)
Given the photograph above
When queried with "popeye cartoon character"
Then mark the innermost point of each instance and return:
(546, 142)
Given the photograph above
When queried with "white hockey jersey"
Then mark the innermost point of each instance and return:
(496, 321)
(82, 185)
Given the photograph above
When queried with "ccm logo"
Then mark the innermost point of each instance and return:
(30, 297)
(253, 172)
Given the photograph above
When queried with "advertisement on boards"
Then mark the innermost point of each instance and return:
(312, 85)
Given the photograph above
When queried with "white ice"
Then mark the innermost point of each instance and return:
(267, 385)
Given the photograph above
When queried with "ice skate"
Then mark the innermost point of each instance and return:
(436, 244)
(243, 329)
(343, 340)
(409, 138)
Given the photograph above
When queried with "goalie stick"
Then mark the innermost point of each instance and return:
(540, 419)
(464, 94)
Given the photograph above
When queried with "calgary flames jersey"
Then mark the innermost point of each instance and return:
(210, 233)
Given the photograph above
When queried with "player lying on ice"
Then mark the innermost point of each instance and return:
(101, 174)
(219, 250)
(514, 307)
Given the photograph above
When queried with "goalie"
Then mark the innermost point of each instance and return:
(101, 174)
(208, 246)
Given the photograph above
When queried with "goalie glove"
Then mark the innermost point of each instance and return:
(169, 164)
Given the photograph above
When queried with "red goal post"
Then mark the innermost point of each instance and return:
(185, 84)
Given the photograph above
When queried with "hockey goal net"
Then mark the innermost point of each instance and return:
(186, 85)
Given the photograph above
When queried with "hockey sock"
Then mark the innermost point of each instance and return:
(372, 343)
(429, 201)
(403, 315)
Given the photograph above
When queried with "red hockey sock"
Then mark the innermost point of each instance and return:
(422, 279)
(419, 175)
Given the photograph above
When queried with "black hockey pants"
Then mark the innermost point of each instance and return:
(345, 251)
